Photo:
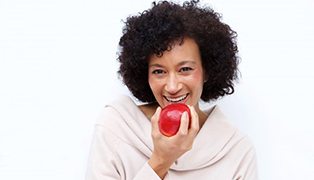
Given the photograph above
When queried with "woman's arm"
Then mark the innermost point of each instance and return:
(104, 162)
(168, 149)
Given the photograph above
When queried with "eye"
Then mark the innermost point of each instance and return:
(184, 69)
(157, 71)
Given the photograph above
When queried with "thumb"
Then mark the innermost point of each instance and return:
(154, 121)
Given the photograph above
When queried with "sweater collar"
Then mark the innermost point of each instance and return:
(213, 141)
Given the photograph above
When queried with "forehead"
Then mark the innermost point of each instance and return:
(182, 51)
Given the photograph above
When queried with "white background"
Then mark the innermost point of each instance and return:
(58, 68)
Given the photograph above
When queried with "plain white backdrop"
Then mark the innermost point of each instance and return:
(58, 68)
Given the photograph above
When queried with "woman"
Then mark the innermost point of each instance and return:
(169, 54)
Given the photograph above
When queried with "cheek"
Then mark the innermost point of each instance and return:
(196, 83)
(196, 78)
(154, 85)
(150, 81)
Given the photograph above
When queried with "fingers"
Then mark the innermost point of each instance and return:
(194, 128)
(154, 121)
(189, 125)
(184, 125)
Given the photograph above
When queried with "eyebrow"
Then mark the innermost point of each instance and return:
(186, 62)
(155, 65)
(180, 64)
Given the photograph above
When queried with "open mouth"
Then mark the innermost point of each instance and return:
(177, 99)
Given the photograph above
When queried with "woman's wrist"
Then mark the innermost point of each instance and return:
(159, 165)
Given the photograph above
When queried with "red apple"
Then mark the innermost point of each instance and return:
(170, 118)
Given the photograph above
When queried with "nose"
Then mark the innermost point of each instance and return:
(173, 84)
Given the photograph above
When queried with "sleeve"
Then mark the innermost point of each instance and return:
(248, 169)
(251, 170)
(104, 162)
(147, 173)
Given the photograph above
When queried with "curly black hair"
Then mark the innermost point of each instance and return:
(157, 29)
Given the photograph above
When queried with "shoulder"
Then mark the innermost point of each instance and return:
(115, 110)
(237, 139)
(123, 114)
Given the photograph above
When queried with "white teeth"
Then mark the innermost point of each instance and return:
(176, 99)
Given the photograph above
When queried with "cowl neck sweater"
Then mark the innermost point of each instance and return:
(218, 145)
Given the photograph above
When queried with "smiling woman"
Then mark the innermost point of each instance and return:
(173, 54)
(178, 75)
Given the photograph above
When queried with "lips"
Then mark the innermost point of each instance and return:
(176, 99)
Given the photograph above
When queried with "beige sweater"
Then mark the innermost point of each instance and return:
(122, 146)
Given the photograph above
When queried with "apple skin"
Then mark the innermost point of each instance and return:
(170, 118)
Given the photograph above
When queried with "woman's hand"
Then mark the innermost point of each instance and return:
(168, 149)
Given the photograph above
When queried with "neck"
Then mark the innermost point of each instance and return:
(148, 109)
(202, 116)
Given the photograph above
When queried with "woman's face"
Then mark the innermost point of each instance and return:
(177, 76)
